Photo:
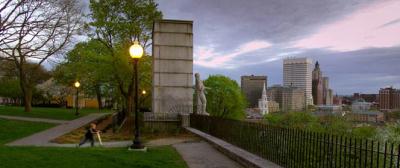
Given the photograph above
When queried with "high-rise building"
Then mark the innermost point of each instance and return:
(252, 87)
(389, 99)
(297, 72)
(317, 89)
(327, 92)
(289, 98)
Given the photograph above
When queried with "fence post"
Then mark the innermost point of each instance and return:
(384, 156)
(372, 153)
(391, 155)
(377, 155)
(185, 120)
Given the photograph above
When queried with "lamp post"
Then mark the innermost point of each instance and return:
(77, 84)
(136, 52)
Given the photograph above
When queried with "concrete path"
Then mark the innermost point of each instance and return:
(116, 144)
(43, 138)
(202, 155)
(34, 119)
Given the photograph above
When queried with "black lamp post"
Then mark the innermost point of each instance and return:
(136, 52)
(77, 84)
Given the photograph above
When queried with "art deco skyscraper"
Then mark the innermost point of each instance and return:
(317, 89)
(297, 72)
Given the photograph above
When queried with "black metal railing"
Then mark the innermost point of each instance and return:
(297, 148)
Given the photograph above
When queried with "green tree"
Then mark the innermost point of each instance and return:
(10, 82)
(337, 125)
(10, 88)
(224, 97)
(391, 132)
(365, 132)
(300, 120)
(88, 63)
(116, 24)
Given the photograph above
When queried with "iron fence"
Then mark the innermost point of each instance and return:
(298, 148)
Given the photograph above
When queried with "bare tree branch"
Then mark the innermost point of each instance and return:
(32, 31)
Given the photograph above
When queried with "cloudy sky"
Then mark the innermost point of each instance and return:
(357, 42)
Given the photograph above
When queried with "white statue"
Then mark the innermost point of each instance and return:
(201, 97)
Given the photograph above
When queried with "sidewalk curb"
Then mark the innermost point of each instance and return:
(243, 157)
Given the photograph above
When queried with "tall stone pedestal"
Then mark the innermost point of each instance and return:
(172, 67)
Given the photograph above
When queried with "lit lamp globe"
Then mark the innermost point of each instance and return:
(77, 84)
(136, 51)
(144, 92)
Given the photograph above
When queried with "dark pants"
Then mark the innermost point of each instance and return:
(84, 140)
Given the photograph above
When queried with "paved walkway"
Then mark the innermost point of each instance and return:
(43, 138)
(116, 144)
(202, 155)
(34, 119)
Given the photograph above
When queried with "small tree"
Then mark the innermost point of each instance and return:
(224, 97)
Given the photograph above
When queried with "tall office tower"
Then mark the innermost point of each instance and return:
(252, 87)
(297, 72)
(317, 89)
(327, 96)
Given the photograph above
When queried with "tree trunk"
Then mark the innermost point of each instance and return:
(99, 97)
(28, 99)
(26, 90)
(129, 105)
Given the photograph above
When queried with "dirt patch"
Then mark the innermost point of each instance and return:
(125, 133)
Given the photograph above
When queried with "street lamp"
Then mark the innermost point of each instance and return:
(136, 52)
(77, 84)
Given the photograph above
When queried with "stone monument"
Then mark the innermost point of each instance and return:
(172, 67)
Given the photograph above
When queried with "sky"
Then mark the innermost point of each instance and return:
(357, 42)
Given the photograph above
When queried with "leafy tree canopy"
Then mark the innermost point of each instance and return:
(224, 97)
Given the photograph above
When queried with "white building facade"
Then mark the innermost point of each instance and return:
(297, 72)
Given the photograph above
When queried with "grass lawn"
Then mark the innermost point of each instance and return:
(51, 157)
(12, 130)
(21, 157)
(43, 112)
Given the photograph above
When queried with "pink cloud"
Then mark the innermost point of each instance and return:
(364, 28)
(207, 57)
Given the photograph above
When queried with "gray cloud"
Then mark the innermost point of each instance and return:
(226, 24)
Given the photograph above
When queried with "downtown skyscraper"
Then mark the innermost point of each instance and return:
(297, 72)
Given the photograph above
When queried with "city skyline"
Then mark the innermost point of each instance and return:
(356, 48)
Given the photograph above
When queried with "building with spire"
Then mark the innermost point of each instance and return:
(263, 102)
(252, 88)
(322, 94)
(317, 88)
